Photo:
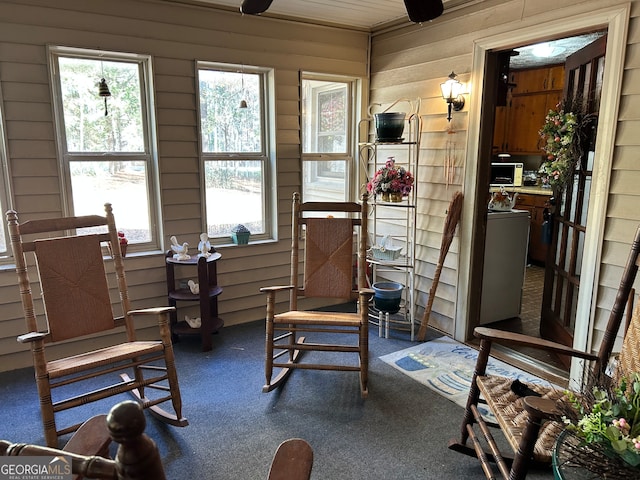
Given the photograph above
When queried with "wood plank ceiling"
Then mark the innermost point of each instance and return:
(360, 14)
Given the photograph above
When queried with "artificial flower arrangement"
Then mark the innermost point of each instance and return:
(563, 133)
(606, 422)
(123, 243)
(391, 179)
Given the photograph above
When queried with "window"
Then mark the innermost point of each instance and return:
(105, 134)
(4, 185)
(327, 149)
(235, 149)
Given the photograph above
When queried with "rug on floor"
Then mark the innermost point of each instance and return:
(446, 366)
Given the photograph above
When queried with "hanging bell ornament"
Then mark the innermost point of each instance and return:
(103, 91)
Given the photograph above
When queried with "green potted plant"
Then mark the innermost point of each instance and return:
(240, 234)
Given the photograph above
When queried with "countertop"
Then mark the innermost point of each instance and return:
(534, 190)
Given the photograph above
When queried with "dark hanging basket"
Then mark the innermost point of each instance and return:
(389, 126)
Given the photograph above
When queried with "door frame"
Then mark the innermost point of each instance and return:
(562, 22)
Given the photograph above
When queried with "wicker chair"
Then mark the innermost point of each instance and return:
(328, 273)
(76, 299)
(530, 423)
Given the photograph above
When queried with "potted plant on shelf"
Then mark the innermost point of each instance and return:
(391, 182)
(240, 234)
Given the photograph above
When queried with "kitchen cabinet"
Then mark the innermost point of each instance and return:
(516, 126)
(536, 205)
(207, 296)
(537, 80)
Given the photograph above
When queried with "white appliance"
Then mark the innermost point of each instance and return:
(506, 174)
(505, 261)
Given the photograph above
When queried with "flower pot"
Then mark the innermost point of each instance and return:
(240, 238)
(392, 197)
(387, 296)
(389, 126)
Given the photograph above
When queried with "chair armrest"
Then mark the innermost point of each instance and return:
(32, 337)
(152, 311)
(276, 288)
(501, 336)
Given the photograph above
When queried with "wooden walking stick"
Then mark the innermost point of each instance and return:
(450, 223)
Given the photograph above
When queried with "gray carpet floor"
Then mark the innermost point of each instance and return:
(399, 432)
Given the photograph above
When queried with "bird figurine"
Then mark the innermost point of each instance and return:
(195, 322)
(180, 252)
(194, 287)
(204, 246)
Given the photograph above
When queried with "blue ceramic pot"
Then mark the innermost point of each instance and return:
(387, 296)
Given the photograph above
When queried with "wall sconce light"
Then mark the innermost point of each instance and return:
(452, 94)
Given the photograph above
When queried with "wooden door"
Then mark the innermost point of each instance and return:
(583, 80)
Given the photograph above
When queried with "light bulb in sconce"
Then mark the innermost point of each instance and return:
(452, 94)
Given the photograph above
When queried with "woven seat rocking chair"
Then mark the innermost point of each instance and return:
(333, 269)
(79, 268)
(531, 424)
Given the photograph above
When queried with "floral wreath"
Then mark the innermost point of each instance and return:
(562, 133)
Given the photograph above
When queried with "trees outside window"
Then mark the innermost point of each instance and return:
(105, 141)
(235, 146)
(327, 147)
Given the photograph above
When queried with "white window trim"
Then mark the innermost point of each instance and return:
(150, 156)
(5, 186)
(350, 156)
(269, 201)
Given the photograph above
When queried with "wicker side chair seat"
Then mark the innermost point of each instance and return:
(508, 409)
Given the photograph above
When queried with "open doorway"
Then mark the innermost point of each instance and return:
(474, 224)
(533, 80)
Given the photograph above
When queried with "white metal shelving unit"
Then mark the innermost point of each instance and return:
(393, 222)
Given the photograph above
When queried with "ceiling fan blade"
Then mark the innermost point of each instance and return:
(254, 7)
(423, 10)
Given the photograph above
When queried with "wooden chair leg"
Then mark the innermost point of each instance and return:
(472, 400)
(523, 456)
(44, 392)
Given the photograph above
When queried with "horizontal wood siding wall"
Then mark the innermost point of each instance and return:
(413, 61)
(176, 36)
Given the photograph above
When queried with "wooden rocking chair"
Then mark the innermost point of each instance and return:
(77, 302)
(531, 423)
(137, 457)
(328, 273)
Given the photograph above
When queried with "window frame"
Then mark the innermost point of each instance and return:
(5, 186)
(149, 155)
(353, 87)
(266, 156)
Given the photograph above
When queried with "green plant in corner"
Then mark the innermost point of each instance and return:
(608, 423)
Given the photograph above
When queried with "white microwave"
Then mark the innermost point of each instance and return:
(506, 174)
